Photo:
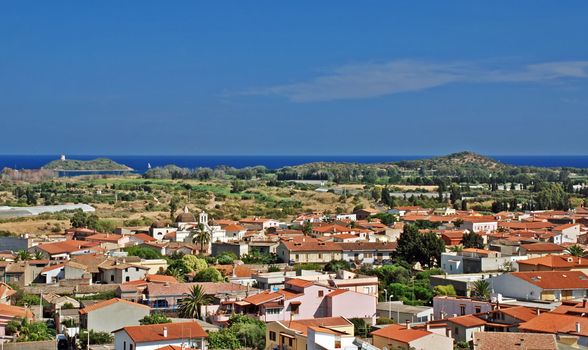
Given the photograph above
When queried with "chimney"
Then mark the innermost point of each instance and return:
(538, 312)
(584, 303)
(428, 327)
(165, 332)
(407, 324)
(578, 328)
(448, 332)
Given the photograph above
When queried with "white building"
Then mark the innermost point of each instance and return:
(542, 285)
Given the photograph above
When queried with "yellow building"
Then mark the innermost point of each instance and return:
(309, 251)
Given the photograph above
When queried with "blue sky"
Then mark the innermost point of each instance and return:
(298, 77)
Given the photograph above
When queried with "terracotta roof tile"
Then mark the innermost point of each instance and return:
(520, 313)
(302, 325)
(550, 322)
(542, 247)
(154, 332)
(400, 333)
(109, 302)
(514, 341)
(297, 282)
(467, 321)
(555, 279)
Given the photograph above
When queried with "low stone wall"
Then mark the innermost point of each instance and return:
(33, 345)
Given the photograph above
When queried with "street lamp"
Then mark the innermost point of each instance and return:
(390, 307)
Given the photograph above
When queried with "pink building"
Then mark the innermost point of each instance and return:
(446, 306)
(301, 299)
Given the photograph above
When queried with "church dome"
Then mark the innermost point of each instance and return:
(158, 224)
(186, 216)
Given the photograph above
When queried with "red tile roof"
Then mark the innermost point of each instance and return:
(65, 246)
(467, 321)
(154, 332)
(263, 297)
(519, 225)
(15, 311)
(297, 282)
(400, 333)
(555, 279)
(303, 325)
(6, 291)
(143, 237)
(542, 247)
(109, 302)
(514, 341)
(104, 237)
(160, 279)
(556, 261)
(520, 312)
(550, 322)
(234, 228)
(53, 267)
(564, 227)
(337, 292)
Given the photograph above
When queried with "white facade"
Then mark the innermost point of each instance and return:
(54, 275)
(329, 341)
(514, 287)
(487, 227)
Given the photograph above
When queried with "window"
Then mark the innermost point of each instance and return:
(462, 310)
(321, 293)
(127, 278)
(294, 308)
(296, 257)
(338, 343)
(136, 269)
(272, 335)
(272, 311)
(478, 309)
(124, 345)
(130, 346)
(111, 278)
(320, 256)
(290, 341)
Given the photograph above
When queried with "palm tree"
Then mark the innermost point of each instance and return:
(457, 248)
(481, 289)
(191, 306)
(576, 251)
(39, 256)
(23, 255)
(201, 236)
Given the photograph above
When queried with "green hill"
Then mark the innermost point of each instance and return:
(99, 164)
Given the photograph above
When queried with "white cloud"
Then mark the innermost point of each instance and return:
(373, 80)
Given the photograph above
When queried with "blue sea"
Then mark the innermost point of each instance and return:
(140, 163)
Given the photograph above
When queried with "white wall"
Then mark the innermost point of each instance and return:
(513, 287)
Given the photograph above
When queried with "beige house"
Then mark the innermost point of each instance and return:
(295, 252)
(113, 314)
